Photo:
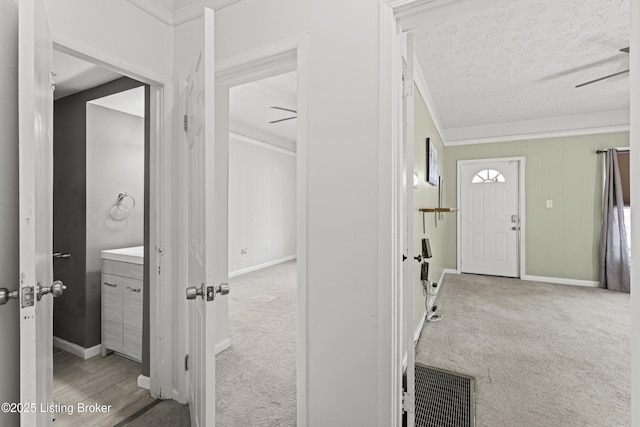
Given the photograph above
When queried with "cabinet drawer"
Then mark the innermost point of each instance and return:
(122, 269)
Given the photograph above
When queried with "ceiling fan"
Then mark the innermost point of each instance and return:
(625, 50)
(287, 118)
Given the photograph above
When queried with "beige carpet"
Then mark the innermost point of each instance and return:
(256, 377)
(541, 354)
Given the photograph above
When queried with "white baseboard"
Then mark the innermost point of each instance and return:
(418, 331)
(261, 266)
(223, 345)
(144, 382)
(562, 281)
(75, 349)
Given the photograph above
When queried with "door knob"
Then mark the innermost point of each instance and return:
(6, 295)
(222, 289)
(193, 292)
(418, 258)
(514, 228)
(56, 289)
(208, 291)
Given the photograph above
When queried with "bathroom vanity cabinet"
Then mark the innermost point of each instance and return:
(122, 275)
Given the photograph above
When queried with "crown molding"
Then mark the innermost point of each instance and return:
(182, 15)
(421, 84)
(154, 9)
(555, 127)
(189, 13)
(414, 14)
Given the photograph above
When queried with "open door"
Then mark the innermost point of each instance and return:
(35, 92)
(408, 344)
(205, 233)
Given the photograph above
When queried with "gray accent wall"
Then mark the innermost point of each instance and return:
(77, 313)
(9, 264)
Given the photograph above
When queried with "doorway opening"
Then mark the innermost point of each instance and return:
(256, 376)
(101, 231)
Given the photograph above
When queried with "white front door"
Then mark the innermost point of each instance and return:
(489, 217)
(35, 110)
(204, 236)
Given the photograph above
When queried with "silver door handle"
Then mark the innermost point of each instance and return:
(514, 228)
(111, 285)
(133, 289)
(6, 295)
(208, 291)
(193, 292)
(222, 289)
(58, 255)
(56, 289)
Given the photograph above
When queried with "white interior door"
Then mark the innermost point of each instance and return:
(203, 238)
(407, 216)
(490, 217)
(36, 213)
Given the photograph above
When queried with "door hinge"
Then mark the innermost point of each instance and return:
(186, 362)
(53, 81)
(186, 123)
(408, 403)
(407, 86)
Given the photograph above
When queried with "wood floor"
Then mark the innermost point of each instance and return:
(110, 380)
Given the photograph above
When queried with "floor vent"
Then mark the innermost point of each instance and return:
(444, 399)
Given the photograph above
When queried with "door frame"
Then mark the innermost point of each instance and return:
(160, 380)
(521, 207)
(287, 55)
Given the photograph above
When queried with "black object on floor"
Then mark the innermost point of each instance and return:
(443, 399)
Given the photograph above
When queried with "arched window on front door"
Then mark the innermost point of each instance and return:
(489, 176)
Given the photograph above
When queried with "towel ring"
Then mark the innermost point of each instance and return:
(123, 206)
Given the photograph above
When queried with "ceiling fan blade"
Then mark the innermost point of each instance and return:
(603, 78)
(625, 50)
(282, 120)
(285, 109)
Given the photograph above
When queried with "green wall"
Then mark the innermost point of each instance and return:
(426, 196)
(562, 241)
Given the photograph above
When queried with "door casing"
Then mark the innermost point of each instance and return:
(160, 210)
(521, 207)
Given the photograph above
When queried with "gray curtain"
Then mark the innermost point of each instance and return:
(614, 249)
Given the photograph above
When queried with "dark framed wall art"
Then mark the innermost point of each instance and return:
(432, 163)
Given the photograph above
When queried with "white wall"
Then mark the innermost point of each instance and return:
(114, 31)
(262, 204)
(341, 158)
(9, 316)
(115, 163)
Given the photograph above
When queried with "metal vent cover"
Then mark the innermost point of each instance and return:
(443, 399)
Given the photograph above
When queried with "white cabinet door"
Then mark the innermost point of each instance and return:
(132, 319)
(111, 313)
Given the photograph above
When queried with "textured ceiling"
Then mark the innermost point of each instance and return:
(521, 60)
(250, 109)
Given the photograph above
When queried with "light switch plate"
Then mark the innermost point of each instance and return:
(549, 203)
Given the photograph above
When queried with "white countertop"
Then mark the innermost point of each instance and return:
(134, 255)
